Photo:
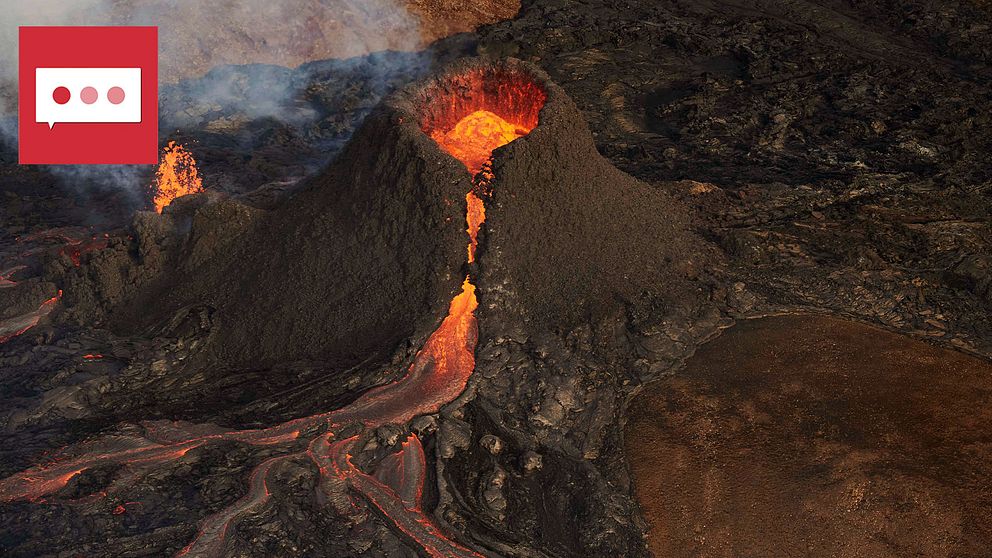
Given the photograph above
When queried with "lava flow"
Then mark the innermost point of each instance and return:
(71, 242)
(5, 275)
(12, 327)
(176, 176)
(396, 490)
(438, 374)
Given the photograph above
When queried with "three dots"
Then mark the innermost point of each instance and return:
(88, 95)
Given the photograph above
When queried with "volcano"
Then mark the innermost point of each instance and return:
(365, 268)
(370, 250)
(429, 304)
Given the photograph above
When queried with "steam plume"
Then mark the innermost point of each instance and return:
(195, 37)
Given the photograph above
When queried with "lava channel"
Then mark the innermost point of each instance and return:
(395, 490)
(5, 275)
(209, 541)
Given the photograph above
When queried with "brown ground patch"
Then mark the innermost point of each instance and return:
(811, 436)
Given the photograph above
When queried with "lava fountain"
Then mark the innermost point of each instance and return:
(468, 114)
(176, 176)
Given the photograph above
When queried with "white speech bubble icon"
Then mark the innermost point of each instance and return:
(87, 95)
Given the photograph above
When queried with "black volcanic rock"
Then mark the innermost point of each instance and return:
(834, 151)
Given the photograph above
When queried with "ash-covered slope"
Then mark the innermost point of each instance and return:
(346, 266)
(847, 176)
(579, 267)
(571, 236)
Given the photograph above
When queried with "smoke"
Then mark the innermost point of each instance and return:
(42, 12)
(196, 37)
(33, 12)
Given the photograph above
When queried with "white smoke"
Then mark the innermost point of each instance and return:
(196, 36)
(33, 12)
(42, 12)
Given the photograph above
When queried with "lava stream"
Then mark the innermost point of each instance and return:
(395, 490)
(438, 374)
(475, 215)
(404, 472)
(5, 275)
(209, 542)
(42, 480)
(73, 245)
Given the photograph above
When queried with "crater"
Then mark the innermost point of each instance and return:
(470, 114)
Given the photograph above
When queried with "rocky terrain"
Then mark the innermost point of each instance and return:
(827, 156)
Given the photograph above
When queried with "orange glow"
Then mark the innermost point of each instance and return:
(439, 373)
(176, 176)
(474, 137)
(12, 327)
(471, 114)
(475, 216)
(5, 276)
(452, 346)
(474, 113)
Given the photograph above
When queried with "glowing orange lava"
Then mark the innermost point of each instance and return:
(439, 373)
(474, 216)
(12, 327)
(472, 113)
(176, 176)
(5, 275)
(475, 113)
(474, 138)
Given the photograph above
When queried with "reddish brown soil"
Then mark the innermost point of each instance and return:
(811, 436)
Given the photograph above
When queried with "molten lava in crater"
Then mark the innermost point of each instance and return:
(474, 138)
(472, 114)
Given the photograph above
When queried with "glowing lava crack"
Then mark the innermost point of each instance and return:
(438, 375)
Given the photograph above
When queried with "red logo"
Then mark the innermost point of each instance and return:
(88, 95)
